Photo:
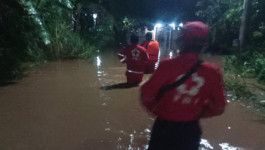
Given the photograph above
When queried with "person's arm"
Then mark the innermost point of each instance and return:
(146, 56)
(217, 101)
(150, 89)
(122, 56)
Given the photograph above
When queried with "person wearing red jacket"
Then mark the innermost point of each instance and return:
(178, 111)
(135, 57)
(152, 49)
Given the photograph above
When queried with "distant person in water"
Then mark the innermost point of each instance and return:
(152, 49)
(135, 57)
(180, 107)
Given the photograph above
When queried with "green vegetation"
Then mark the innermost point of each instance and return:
(244, 67)
(43, 30)
(40, 30)
(224, 18)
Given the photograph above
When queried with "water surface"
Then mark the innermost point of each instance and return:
(60, 106)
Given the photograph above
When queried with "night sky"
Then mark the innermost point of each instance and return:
(168, 10)
(153, 10)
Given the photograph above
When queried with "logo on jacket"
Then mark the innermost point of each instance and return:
(135, 54)
(192, 91)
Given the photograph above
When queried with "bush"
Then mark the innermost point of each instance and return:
(250, 64)
(67, 45)
(13, 39)
(34, 32)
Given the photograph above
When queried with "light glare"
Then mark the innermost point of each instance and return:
(181, 24)
(159, 25)
(95, 16)
(171, 54)
(173, 25)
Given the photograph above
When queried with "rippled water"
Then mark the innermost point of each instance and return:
(68, 105)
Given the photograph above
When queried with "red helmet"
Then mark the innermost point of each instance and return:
(195, 29)
(193, 36)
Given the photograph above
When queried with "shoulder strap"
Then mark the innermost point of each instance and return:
(172, 86)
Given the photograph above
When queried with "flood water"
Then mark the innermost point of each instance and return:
(63, 106)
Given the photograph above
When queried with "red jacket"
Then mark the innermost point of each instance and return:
(202, 95)
(135, 57)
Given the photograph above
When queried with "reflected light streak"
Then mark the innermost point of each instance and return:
(206, 144)
(226, 146)
(132, 144)
(98, 61)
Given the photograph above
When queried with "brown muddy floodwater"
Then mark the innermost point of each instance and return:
(60, 106)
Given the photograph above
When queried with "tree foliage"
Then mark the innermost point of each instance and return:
(224, 18)
(16, 32)
(37, 30)
(98, 31)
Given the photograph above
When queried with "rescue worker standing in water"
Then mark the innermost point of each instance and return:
(135, 57)
(152, 49)
(201, 95)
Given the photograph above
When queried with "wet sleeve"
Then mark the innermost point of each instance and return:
(217, 101)
(150, 89)
(122, 56)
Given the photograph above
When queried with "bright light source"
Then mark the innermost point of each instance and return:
(171, 54)
(159, 25)
(95, 16)
(173, 26)
(95, 19)
(181, 24)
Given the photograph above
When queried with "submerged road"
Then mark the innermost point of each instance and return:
(60, 106)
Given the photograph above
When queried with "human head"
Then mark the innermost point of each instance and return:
(193, 36)
(148, 36)
(134, 38)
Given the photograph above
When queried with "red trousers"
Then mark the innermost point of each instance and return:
(134, 78)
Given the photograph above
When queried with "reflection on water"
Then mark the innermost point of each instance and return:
(205, 145)
(98, 62)
(130, 136)
(133, 145)
(100, 73)
(226, 146)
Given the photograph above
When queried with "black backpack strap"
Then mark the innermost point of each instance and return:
(172, 86)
